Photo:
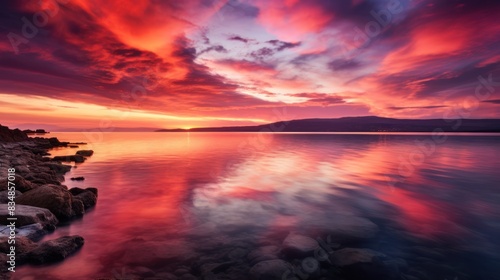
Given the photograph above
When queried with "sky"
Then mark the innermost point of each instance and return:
(179, 64)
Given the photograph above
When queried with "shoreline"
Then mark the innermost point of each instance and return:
(34, 200)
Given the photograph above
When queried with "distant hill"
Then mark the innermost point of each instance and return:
(361, 124)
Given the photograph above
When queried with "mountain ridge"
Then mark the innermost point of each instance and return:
(360, 124)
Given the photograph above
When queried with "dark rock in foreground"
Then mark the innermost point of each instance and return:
(21, 184)
(14, 135)
(27, 215)
(272, 269)
(53, 250)
(87, 196)
(55, 198)
(296, 245)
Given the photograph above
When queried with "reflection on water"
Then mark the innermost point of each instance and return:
(168, 199)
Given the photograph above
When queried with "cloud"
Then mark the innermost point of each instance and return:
(415, 107)
(217, 48)
(239, 38)
(494, 101)
(343, 64)
(280, 45)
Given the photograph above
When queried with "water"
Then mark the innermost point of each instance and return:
(168, 199)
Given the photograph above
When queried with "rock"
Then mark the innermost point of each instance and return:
(55, 142)
(12, 135)
(263, 254)
(27, 215)
(299, 246)
(57, 167)
(85, 153)
(88, 196)
(237, 253)
(77, 178)
(43, 178)
(143, 271)
(23, 245)
(55, 198)
(21, 184)
(344, 229)
(75, 158)
(73, 146)
(365, 264)
(188, 277)
(77, 207)
(32, 231)
(23, 170)
(139, 252)
(215, 267)
(54, 250)
(165, 276)
(4, 196)
(272, 269)
(349, 256)
(4, 272)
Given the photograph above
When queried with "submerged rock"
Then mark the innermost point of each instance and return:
(343, 228)
(349, 256)
(54, 250)
(264, 253)
(367, 264)
(272, 269)
(298, 246)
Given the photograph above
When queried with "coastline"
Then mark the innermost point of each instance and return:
(34, 200)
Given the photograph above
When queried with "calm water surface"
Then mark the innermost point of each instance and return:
(167, 199)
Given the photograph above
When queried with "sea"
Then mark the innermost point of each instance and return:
(171, 202)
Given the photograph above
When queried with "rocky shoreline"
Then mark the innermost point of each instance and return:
(42, 202)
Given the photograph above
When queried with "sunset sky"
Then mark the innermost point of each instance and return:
(168, 64)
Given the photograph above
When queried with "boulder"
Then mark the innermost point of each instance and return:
(85, 153)
(4, 196)
(12, 135)
(272, 269)
(21, 184)
(344, 229)
(264, 253)
(4, 272)
(54, 250)
(53, 197)
(349, 256)
(33, 231)
(139, 252)
(88, 196)
(27, 215)
(366, 264)
(57, 167)
(70, 158)
(299, 246)
(23, 245)
(43, 178)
